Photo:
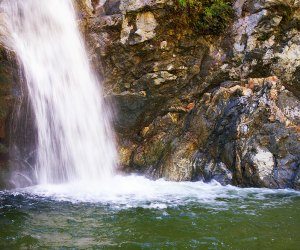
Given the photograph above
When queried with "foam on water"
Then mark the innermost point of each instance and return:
(137, 191)
(75, 152)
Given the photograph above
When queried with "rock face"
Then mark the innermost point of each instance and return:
(8, 82)
(200, 107)
(16, 118)
(250, 139)
(193, 107)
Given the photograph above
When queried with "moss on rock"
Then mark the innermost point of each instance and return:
(207, 16)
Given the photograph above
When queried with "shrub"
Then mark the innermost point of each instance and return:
(207, 16)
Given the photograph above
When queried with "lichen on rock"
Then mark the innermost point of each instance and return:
(201, 104)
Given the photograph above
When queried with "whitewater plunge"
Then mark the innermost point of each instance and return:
(75, 140)
(75, 152)
(73, 206)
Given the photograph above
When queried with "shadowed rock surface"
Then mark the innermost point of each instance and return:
(8, 83)
(194, 106)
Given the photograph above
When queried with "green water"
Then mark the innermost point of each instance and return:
(233, 219)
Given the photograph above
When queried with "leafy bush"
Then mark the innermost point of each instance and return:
(207, 16)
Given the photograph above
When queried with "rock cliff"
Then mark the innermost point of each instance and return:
(8, 78)
(194, 105)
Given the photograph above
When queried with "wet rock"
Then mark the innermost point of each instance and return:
(263, 161)
(112, 7)
(145, 24)
(207, 170)
(139, 5)
(257, 150)
(130, 107)
(141, 31)
(266, 41)
(179, 165)
(8, 99)
(194, 107)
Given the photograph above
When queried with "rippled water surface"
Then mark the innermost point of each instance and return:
(135, 213)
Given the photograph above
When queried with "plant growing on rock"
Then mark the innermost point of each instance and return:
(207, 16)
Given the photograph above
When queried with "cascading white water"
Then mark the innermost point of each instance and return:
(75, 141)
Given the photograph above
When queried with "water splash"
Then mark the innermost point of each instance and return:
(125, 192)
(75, 140)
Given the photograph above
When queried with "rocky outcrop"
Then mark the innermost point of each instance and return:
(192, 106)
(266, 40)
(8, 81)
(250, 138)
(14, 107)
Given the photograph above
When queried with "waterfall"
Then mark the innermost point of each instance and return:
(75, 139)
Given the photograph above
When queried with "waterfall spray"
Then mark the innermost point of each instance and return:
(75, 139)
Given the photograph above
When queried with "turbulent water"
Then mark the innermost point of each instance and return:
(78, 202)
(75, 142)
(136, 213)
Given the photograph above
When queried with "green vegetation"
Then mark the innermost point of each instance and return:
(207, 16)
